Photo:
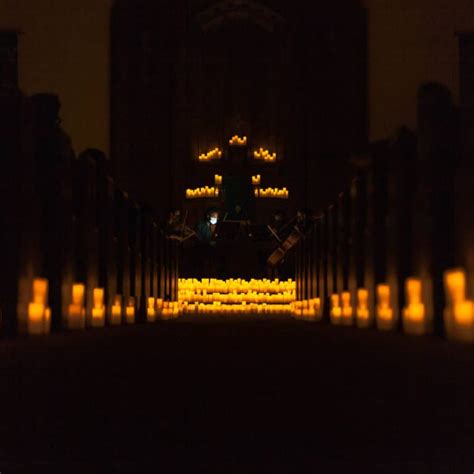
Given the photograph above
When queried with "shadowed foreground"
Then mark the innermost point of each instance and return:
(236, 396)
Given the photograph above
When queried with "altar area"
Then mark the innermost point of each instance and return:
(243, 183)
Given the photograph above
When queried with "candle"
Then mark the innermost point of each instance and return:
(76, 311)
(39, 315)
(151, 311)
(362, 311)
(346, 310)
(130, 311)
(385, 316)
(98, 309)
(335, 312)
(116, 311)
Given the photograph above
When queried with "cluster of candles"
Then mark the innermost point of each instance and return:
(264, 155)
(307, 309)
(239, 296)
(282, 193)
(238, 141)
(458, 314)
(204, 192)
(214, 154)
(256, 180)
(459, 311)
(78, 316)
(39, 314)
(236, 296)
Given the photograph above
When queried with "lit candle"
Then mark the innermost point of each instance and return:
(362, 311)
(346, 307)
(151, 311)
(335, 312)
(385, 317)
(98, 309)
(116, 311)
(38, 312)
(130, 311)
(76, 310)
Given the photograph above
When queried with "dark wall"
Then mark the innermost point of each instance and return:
(186, 75)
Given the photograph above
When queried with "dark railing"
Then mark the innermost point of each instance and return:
(391, 250)
(67, 227)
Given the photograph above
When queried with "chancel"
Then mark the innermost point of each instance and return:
(237, 236)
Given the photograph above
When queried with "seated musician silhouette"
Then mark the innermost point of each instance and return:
(302, 223)
(207, 259)
(176, 228)
(206, 227)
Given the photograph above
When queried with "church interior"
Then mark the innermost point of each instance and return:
(236, 235)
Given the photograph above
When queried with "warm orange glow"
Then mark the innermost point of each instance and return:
(336, 310)
(130, 311)
(171, 309)
(455, 283)
(463, 313)
(362, 312)
(414, 313)
(76, 318)
(40, 291)
(272, 193)
(238, 141)
(236, 296)
(39, 315)
(264, 155)
(203, 192)
(78, 293)
(116, 311)
(346, 310)
(98, 310)
(384, 311)
(151, 310)
(458, 314)
(256, 180)
(306, 309)
(217, 179)
(214, 154)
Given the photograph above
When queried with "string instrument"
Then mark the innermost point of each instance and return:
(183, 231)
(278, 254)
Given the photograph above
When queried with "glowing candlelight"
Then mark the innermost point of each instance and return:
(98, 309)
(346, 310)
(76, 318)
(130, 311)
(151, 311)
(362, 311)
(116, 311)
(39, 315)
(384, 311)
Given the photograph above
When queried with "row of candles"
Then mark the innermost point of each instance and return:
(238, 141)
(236, 296)
(279, 193)
(215, 154)
(236, 285)
(458, 313)
(240, 308)
(264, 155)
(260, 154)
(203, 192)
(77, 317)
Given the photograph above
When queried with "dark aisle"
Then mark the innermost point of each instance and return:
(243, 396)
